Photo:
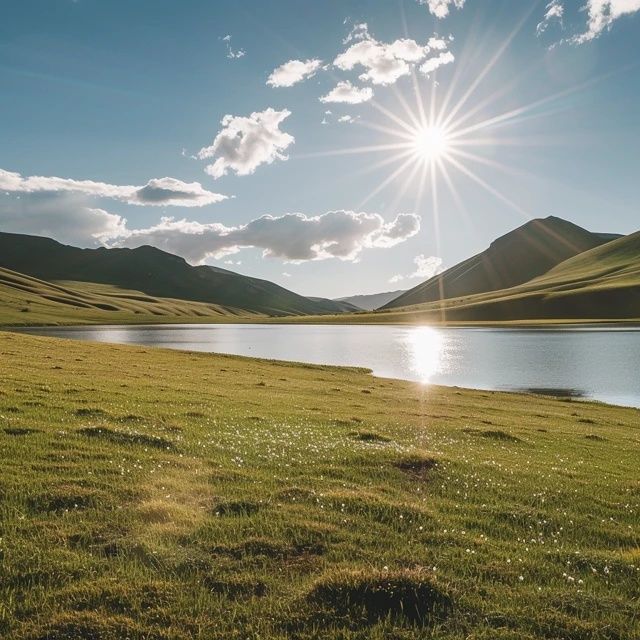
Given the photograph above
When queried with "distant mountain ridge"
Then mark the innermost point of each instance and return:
(154, 272)
(512, 259)
(371, 301)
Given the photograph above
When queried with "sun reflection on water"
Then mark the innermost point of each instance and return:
(425, 347)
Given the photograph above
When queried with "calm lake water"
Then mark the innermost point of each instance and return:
(601, 364)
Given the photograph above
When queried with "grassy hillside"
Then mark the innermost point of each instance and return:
(28, 301)
(157, 495)
(154, 272)
(517, 257)
(600, 284)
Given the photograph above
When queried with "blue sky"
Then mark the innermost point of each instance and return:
(131, 95)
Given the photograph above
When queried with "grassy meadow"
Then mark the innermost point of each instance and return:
(152, 494)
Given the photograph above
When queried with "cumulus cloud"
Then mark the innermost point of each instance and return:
(293, 237)
(348, 119)
(348, 93)
(64, 216)
(441, 8)
(554, 11)
(425, 267)
(292, 72)
(157, 192)
(244, 143)
(431, 64)
(233, 54)
(384, 63)
(602, 14)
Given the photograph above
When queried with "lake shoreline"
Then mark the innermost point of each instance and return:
(510, 359)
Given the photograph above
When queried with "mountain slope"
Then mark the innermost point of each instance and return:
(520, 255)
(372, 301)
(25, 300)
(153, 272)
(601, 283)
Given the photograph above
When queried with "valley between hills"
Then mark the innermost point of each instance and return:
(546, 271)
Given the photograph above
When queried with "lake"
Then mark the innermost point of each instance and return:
(593, 363)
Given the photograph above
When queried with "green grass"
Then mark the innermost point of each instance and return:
(29, 301)
(152, 494)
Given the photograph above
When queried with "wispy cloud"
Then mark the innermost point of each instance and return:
(348, 93)
(159, 192)
(602, 14)
(292, 72)
(554, 11)
(244, 143)
(233, 54)
(425, 267)
(441, 8)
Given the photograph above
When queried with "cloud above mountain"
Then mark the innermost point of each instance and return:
(244, 143)
(293, 237)
(157, 192)
(425, 267)
(67, 217)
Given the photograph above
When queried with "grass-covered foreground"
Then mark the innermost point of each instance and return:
(150, 494)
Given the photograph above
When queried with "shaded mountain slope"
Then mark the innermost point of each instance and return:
(601, 283)
(372, 301)
(515, 258)
(153, 272)
(25, 300)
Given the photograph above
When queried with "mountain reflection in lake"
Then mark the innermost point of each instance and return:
(598, 363)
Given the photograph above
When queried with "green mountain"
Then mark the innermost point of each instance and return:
(599, 284)
(155, 273)
(522, 254)
(25, 300)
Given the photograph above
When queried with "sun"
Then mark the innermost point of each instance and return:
(431, 142)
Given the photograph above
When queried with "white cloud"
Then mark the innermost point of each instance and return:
(233, 54)
(293, 237)
(244, 143)
(64, 216)
(346, 92)
(426, 267)
(602, 14)
(384, 63)
(360, 31)
(348, 119)
(157, 192)
(292, 72)
(431, 64)
(554, 11)
(440, 8)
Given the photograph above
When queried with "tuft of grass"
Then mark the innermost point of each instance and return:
(366, 597)
(369, 436)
